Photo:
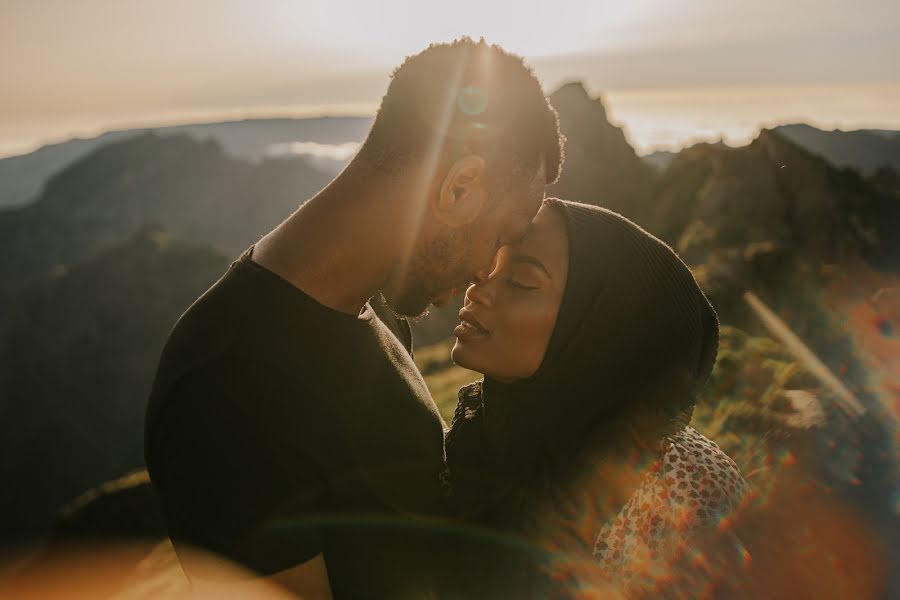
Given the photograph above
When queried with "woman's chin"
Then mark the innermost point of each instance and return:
(459, 356)
(455, 353)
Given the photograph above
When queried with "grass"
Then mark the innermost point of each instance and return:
(442, 376)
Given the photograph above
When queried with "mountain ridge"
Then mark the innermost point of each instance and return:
(863, 149)
(189, 188)
(24, 175)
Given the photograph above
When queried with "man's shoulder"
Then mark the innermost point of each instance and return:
(220, 358)
(201, 336)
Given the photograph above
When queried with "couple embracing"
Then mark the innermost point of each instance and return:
(290, 433)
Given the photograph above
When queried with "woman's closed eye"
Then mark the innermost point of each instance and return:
(519, 285)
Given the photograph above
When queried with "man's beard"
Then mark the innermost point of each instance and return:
(412, 297)
(416, 295)
(412, 302)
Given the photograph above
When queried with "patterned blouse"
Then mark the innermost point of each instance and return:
(695, 489)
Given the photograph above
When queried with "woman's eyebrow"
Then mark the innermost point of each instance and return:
(530, 260)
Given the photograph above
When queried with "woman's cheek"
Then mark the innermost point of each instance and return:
(532, 328)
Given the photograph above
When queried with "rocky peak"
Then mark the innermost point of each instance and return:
(601, 167)
(573, 99)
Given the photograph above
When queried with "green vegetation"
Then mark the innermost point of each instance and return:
(442, 376)
(746, 406)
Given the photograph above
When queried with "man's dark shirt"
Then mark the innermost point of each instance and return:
(279, 429)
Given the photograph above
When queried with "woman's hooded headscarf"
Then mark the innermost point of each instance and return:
(635, 338)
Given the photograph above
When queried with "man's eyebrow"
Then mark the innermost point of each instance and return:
(530, 260)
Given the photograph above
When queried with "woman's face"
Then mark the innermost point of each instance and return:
(508, 317)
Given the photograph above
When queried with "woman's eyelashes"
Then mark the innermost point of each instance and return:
(520, 286)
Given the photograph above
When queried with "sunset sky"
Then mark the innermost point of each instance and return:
(671, 70)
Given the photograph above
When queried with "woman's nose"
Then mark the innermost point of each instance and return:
(479, 292)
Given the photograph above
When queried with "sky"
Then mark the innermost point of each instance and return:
(670, 70)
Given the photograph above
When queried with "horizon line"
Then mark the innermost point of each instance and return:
(221, 115)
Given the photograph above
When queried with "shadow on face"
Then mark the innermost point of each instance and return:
(509, 316)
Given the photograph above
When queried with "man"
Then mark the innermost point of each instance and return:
(288, 429)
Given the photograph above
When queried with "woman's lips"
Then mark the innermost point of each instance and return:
(469, 327)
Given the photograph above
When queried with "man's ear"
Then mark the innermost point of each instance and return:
(463, 193)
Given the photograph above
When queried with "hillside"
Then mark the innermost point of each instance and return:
(659, 159)
(600, 166)
(77, 364)
(742, 212)
(23, 177)
(190, 189)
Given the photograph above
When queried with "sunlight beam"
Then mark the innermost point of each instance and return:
(846, 399)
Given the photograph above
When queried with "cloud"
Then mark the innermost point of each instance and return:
(336, 152)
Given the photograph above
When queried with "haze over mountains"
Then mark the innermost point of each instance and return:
(119, 241)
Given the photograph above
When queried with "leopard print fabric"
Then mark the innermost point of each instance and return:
(691, 490)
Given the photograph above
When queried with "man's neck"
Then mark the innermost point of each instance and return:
(340, 247)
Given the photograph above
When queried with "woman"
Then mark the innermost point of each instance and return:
(594, 338)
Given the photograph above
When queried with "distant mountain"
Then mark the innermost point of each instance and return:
(659, 159)
(22, 177)
(600, 167)
(189, 188)
(77, 362)
(865, 149)
(888, 133)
